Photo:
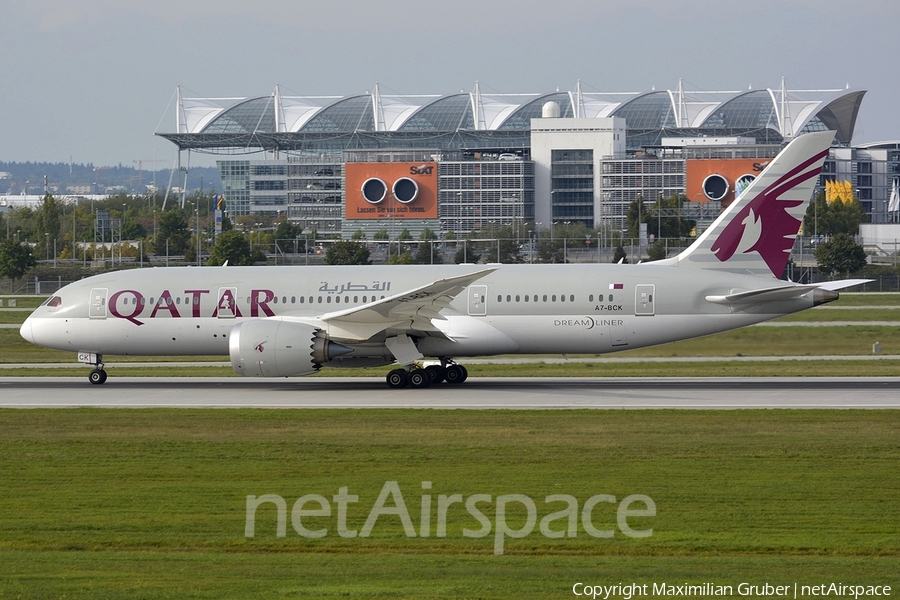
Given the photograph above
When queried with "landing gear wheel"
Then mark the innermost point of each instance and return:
(456, 374)
(97, 376)
(397, 379)
(437, 373)
(419, 378)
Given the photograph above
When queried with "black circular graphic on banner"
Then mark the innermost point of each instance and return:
(405, 190)
(374, 190)
(715, 187)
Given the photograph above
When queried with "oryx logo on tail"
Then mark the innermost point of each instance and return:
(766, 225)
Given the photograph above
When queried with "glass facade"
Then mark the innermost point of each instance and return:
(572, 186)
(622, 181)
(235, 176)
(479, 195)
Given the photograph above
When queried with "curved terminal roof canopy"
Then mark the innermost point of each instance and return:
(210, 123)
(449, 113)
(521, 118)
(349, 114)
(749, 110)
(256, 115)
(652, 110)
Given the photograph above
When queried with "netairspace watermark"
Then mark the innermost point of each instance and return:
(628, 591)
(563, 521)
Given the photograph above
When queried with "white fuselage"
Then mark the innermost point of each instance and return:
(525, 309)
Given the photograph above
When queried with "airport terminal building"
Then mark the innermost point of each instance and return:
(475, 161)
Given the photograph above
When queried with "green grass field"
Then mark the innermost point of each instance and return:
(152, 503)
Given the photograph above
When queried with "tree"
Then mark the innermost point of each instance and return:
(635, 216)
(509, 246)
(664, 218)
(656, 251)
(47, 217)
(549, 250)
(428, 253)
(464, 253)
(840, 255)
(347, 253)
(620, 255)
(845, 216)
(173, 226)
(400, 259)
(233, 247)
(840, 216)
(286, 233)
(15, 260)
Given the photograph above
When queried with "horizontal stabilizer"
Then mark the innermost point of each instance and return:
(842, 284)
(773, 294)
(822, 293)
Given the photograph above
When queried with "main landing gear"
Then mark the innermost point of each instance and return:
(417, 377)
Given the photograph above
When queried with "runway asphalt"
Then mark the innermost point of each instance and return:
(476, 393)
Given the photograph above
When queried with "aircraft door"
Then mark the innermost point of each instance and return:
(643, 300)
(477, 300)
(226, 308)
(97, 308)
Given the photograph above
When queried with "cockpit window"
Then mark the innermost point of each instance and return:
(52, 301)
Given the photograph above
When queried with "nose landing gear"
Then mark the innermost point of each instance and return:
(97, 376)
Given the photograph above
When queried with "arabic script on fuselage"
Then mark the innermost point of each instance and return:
(343, 288)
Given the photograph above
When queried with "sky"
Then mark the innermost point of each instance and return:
(93, 81)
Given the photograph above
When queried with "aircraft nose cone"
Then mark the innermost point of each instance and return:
(26, 332)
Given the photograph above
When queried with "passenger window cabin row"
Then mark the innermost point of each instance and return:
(547, 298)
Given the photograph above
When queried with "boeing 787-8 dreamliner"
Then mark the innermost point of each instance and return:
(287, 321)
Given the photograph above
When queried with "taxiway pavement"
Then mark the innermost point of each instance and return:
(476, 393)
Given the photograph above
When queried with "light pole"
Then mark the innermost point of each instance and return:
(197, 213)
(122, 235)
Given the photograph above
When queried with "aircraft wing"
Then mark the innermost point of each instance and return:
(413, 309)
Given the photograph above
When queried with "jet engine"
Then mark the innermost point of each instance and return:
(267, 348)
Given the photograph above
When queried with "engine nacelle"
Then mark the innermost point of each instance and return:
(267, 348)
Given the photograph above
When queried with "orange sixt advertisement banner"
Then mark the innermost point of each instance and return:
(717, 179)
(395, 190)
